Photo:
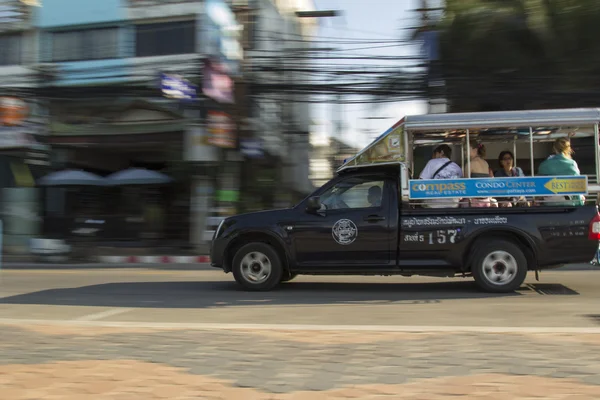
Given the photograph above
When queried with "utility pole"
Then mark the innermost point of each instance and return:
(424, 16)
(429, 16)
(338, 128)
(338, 100)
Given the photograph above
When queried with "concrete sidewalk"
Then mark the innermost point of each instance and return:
(38, 362)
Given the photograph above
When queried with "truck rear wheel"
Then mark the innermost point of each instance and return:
(499, 266)
(256, 266)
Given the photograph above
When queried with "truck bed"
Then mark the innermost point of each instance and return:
(555, 235)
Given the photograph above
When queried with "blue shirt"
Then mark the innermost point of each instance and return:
(501, 173)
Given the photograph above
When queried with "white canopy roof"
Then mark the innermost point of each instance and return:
(503, 119)
(391, 145)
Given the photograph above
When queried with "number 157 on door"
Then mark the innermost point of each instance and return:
(443, 236)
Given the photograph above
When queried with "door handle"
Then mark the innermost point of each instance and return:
(374, 218)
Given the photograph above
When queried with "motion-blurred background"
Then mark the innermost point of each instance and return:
(137, 125)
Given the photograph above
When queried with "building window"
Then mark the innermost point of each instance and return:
(10, 49)
(165, 39)
(89, 44)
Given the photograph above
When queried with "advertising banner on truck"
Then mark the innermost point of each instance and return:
(498, 187)
(389, 147)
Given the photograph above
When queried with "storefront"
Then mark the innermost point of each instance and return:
(134, 134)
(23, 159)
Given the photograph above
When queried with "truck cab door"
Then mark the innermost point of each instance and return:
(429, 236)
(353, 228)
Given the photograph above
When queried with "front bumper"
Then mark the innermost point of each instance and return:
(217, 254)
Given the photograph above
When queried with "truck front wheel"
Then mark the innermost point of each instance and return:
(499, 266)
(256, 266)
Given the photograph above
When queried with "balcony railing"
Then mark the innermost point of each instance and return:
(14, 15)
(146, 3)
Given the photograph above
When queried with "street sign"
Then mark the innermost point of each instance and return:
(13, 111)
(221, 130)
(216, 84)
(251, 148)
(176, 87)
(498, 187)
(222, 35)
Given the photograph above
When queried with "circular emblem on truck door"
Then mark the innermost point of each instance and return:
(344, 231)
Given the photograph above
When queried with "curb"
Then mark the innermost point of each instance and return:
(59, 266)
(103, 262)
(153, 259)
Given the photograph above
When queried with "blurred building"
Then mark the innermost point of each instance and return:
(23, 126)
(168, 86)
(274, 122)
(326, 155)
(275, 43)
(103, 62)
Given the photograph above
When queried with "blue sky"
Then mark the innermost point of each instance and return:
(369, 21)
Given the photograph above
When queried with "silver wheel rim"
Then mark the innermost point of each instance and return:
(500, 268)
(255, 267)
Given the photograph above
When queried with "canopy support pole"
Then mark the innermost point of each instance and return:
(596, 149)
(515, 152)
(468, 174)
(531, 151)
(462, 155)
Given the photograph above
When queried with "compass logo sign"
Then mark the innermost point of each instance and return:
(344, 232)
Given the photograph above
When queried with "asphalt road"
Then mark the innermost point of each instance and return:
(142, 333)
(560, 299)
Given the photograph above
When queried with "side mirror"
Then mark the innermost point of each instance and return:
(313, 204)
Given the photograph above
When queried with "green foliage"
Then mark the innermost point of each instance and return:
(520, 48)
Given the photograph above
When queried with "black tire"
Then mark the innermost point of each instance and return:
(492, 265)
(287, 278)
(261, 252)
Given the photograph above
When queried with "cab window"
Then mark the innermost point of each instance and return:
(354, 193)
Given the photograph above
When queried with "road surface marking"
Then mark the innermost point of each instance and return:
(103, 314)
(289, 327)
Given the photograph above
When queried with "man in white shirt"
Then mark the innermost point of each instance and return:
(441, 167)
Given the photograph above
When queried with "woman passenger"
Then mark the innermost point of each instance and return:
(480, 169)
(506, 161)
(561, 163)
